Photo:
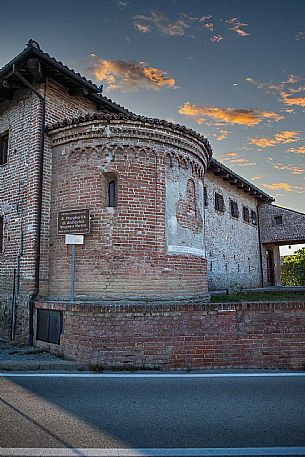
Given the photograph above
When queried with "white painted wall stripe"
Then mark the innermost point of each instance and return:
(10, 374)
(152, 452)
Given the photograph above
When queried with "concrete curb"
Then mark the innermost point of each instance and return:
(34, 365)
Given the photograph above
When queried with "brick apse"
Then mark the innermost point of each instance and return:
(141, 276)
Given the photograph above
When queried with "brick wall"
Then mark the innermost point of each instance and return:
(235, 335)
(126, 254)
(19, 188)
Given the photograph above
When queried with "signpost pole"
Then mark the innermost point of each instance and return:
(72, 274)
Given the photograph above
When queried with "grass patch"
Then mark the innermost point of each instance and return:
(34, 351)
(239, 297)
(99, 368)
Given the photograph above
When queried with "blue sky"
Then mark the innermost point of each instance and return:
(232, 70)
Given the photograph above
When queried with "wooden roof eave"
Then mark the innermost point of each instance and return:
(220, 170)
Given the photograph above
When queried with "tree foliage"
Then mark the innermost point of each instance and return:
(293, 269)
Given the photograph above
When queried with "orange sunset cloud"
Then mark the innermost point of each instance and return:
(285, 186)
(299, 150)
(280, 138)
(247, 117)
(129, 76)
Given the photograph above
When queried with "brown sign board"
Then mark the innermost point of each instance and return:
(73, 222)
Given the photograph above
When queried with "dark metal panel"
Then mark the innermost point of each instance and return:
(49, 326)
(54, 327)
(42, 324)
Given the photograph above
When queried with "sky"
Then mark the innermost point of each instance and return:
(233, 70)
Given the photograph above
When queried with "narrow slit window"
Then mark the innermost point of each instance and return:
(234, 209)
(253, 217)
(205, 197)
(3, 149)
(219, 203)
(246, 214)
(112, 193)
(1, 233)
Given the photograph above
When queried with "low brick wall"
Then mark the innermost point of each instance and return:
(190, 336)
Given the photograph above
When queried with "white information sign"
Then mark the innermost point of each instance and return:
(74, 239)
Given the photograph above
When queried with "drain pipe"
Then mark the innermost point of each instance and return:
(13, 308)
(260, 244)
(17, 270)
(39, 205)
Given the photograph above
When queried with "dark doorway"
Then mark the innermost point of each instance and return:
(270, 268)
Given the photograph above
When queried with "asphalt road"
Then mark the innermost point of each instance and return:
(134, 412)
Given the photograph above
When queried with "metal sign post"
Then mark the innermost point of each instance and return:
(74, 224)
(73, 240)
(72, 274)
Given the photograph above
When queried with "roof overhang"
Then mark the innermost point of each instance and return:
(235, 180)
(35, 66)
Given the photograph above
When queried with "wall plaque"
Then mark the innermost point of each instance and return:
(73, 222)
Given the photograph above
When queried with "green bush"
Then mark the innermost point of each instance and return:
(293, 269)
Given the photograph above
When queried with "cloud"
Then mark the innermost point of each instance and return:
(205, 18)
(208, 26)
(299, 150)
(248, 117)
(222, 135)
(129, 76)
(288, 99)
(162, 24)
(229, 155)
(236, 26)
(300, 36)
(287, 136)
(242, 162)
(233, 158)
(143, 28)
(216, 38)
(285, 90)
(286, 187)
(292, 79)
(284, 137)
(294, 169)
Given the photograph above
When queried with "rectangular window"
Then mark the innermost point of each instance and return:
(278, 220)
(3, 148)
(49, 326)
(219, 203)
(1, 233)
(112, 194)
(205, 196)
(246, 214)
(253, 217)
(234, 209)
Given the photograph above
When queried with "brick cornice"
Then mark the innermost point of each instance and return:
(123, 132)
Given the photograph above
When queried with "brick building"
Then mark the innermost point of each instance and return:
(167, 221)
